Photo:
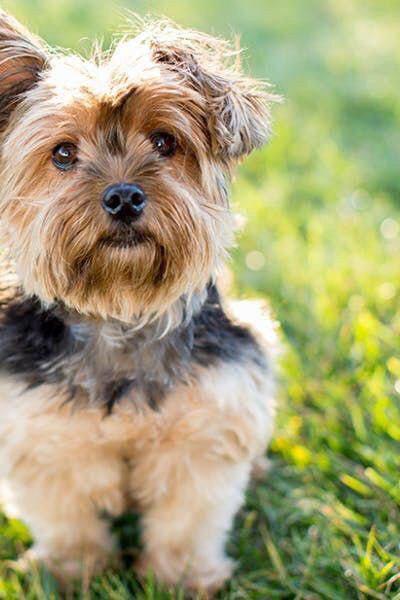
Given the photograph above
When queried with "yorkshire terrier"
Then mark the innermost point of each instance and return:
(125, 381)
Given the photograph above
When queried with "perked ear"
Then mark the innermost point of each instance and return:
(237, 107)
(22, 59)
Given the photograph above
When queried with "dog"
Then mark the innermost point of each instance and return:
(126, 380)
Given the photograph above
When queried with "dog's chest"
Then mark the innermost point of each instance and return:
(102, 363)
(105, 362)
(112, 361)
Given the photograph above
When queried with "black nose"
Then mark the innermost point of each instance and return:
(124, 201)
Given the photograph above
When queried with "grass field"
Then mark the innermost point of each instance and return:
(322, 242)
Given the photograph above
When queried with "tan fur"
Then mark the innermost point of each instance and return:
(186, 467)
(164, 79)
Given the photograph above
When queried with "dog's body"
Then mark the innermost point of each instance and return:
(123, 381)
(184, 463)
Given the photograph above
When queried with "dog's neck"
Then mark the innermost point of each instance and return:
(115, 333)
(99, 363)
(110, 357)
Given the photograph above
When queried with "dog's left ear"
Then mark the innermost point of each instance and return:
(237, 107)
(240, 119)
(22, 58)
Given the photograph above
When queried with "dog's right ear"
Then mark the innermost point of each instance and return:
(22, 59)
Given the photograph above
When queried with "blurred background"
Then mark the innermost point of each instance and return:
(322, 243)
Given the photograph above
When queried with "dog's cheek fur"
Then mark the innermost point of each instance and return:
(55, 222)
(55, 226)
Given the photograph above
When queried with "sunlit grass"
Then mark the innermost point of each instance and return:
(322, 243)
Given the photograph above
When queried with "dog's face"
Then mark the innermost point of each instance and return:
(114, 170)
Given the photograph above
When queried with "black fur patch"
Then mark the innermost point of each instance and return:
(32, 341)
(217, 338)
(40, 346)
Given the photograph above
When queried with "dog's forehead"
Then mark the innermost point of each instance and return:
(83, 88)
(75, 78)
(81, 98)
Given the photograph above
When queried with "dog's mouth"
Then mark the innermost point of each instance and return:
(125, 239)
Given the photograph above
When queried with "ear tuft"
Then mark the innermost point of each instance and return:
(22, 59)
(241, 117)
(237, 107)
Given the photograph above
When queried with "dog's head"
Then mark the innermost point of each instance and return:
(114, 169)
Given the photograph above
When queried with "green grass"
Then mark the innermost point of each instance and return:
(322, 242)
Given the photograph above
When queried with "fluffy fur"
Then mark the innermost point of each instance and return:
(124, 379)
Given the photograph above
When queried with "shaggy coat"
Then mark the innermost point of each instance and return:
(125, 379)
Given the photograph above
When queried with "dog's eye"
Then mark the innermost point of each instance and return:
(65, 156)
(164, 143)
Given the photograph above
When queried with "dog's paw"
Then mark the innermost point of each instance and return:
(25, 563)
(202, 579)
(65, 569)
(208, 580)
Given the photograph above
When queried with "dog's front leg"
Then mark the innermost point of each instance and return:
(70, 538)
(190, 477)
(186, 523)
(63, 476)
(63, 503)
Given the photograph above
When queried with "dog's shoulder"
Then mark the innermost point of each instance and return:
(223, 332)
(32, 338)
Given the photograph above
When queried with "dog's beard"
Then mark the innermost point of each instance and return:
(68, 249)
(129, 273)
